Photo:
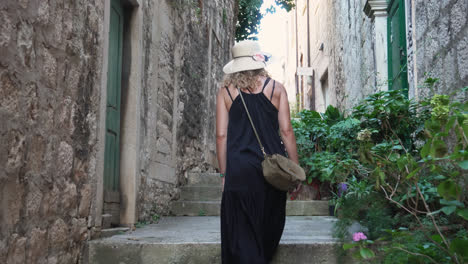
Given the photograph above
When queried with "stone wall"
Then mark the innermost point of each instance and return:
(436, 42)
(341, 49)
(352, 60)
(441, 37)
(50, 68)
(52, 96)
(186, 44)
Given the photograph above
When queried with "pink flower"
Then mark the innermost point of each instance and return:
(359, 236)
(259, 57)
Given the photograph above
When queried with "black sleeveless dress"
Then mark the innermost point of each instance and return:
(252, 211)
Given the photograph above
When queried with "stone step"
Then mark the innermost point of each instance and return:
(212, 208)
(203, 179)
(196, 240)
(201, 193)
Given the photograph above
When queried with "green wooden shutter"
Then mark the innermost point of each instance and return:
(114, 75)
(397, 52)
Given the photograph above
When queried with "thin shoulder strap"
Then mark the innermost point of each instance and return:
(272, 90)
(266, 82)
(227, 89)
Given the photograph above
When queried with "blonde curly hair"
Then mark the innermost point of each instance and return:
(245, 79)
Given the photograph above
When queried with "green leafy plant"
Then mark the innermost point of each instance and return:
(405, 163)
(360, 241)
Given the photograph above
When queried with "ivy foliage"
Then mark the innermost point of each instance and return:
(250, 15)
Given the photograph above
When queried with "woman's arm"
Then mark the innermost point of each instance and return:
(284, 119)
(222, 119)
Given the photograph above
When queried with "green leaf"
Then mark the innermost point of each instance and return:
(382, 176)
(450, 123)
(463, 164)
(460, 246)
(347, 246)
(438, 149)
(413, 173)
(448, 189)
(357, 255)
(432, 125)
(401, 162)
(397, 147)
(366, 253)
(437, 238)
(452, 203)
(393, 157)
(448, 210)
(463, 213)
(426, 148)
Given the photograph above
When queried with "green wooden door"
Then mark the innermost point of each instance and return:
(397, 51)
(114, 75)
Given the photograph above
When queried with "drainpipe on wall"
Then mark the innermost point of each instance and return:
(312, 100)
(297, 59)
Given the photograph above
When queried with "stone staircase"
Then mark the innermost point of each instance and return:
(202, 197)
(192, 234)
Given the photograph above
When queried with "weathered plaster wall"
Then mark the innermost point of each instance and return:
(441, 33)
(50, 68)
(186, 44)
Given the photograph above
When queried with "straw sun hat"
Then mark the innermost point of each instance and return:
(246, 56)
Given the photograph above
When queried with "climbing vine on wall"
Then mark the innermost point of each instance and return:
(249, 16)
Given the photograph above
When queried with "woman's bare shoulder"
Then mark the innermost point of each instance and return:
(279, 87)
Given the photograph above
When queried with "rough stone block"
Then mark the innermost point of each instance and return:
(12, 196)
(37, 249)
(458, 17)
(16, 152)
(6, 29)
(462, 58)
(58, 235)
(25, 44)
(17, 250)
(49, 68)
(85, 202)
(79, 229)
(33, 199)
(162, 172)
(69, 201)
(65, 159)
(163, 146)
(203, 179)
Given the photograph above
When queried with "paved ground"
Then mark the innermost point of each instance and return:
(206, 229)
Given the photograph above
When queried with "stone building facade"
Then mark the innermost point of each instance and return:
(348, 47)
(56, 59)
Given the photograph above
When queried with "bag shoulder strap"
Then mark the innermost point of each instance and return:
(251, 122)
